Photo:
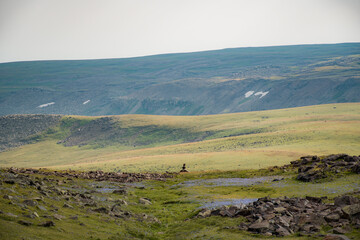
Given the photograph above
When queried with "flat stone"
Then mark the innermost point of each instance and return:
(11, 215)
(205, 213)
(333, 217)
(345, 200)
(339, 230)
(121, 191)
(41, 208)
(335, 237)
(260, 226)
(25, 223)
(30, 202)
(47, 224)
(58, 216)
(279, 209)
(144, 201)
(67, 206)
(281, 231)
(9, 181)
(351, 209)
(8, 197)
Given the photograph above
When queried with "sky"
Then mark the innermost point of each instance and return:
(93, 29)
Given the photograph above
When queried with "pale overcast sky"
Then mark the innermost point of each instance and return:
(82, 29)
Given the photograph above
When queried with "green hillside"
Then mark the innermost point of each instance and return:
(211, 82)
(139, 143)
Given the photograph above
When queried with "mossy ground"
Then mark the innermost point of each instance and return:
(173, 204)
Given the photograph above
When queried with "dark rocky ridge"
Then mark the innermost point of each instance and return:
(286, 216)
(313, 168)
(95, 175)
(17, 130)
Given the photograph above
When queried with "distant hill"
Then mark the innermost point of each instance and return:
(138, 143)
(211, 82)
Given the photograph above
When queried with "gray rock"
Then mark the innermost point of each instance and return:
(25, 223)
(335, 237)
(260, 226)
(11, 215)
(121, 202)
(205, 213)
(351, 209)
(58, 216)
(345, 200)
(42, 208)
(30, 202)
(333, 217)
(8, 197)
(281, 231)
(47, 224)
(101, 210)
(145, 201)
(67, 206)
(121, 191)
(339, 230)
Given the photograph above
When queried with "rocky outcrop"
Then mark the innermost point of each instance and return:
(313, 168)
(285, 216)
(95, 175)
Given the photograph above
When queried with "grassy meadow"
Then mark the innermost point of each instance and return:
(249, 140)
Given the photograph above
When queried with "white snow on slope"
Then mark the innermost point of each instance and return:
(249, 93)
(45, 105)
(263, 94)
(87, 101)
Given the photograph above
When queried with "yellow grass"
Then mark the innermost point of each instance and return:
(290, 133)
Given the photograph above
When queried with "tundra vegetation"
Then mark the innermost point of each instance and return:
(67, 179)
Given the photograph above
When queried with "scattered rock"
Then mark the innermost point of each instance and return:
(11, 215)
(121, 191)
(47, 224)
(95, 175)
(58, 216)
(25, 223)
(9, 181)
(260, 226)
(30, 202)
(351, 209)
(145, 201)
(101, 210)
(121, 202)
(67, 206)
(205, 213)
(42, 208)
(284, 216)
(339, 230)
(345, 200)
(8, 197)
(312, 168)
(335, 237)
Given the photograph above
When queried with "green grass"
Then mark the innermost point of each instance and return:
(250, 140)
(173, 205)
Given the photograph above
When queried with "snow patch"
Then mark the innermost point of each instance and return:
(249, 93)
(45, 105)
(263, 94)
(87, 101)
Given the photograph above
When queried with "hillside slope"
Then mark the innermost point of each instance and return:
(212, 82)
(140, 143)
